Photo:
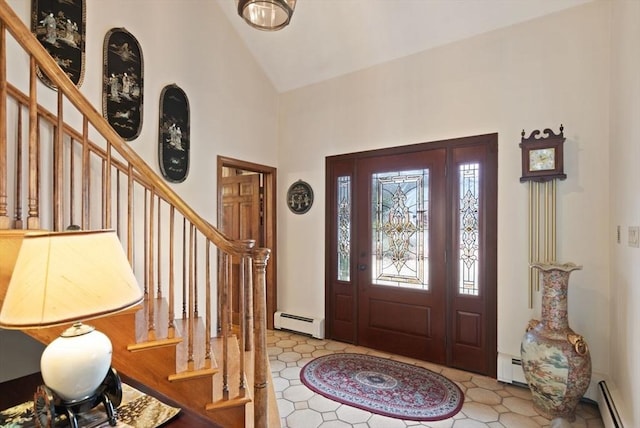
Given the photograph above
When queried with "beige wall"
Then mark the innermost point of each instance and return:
(625, 206)
(535, 75)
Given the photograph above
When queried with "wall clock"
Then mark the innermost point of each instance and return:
(300, 197)
(542, 157)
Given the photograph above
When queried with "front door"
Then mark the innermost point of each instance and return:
(411, 251)
(401, 231)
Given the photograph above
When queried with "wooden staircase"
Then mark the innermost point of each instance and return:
(61, 164)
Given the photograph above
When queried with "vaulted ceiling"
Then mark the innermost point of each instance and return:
(329, 38)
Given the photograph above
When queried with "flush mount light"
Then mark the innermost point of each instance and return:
(267, 15)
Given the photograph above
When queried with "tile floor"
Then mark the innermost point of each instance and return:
(488, 403)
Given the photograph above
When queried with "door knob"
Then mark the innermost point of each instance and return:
(362, 267)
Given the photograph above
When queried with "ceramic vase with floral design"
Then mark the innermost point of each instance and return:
(555, 360)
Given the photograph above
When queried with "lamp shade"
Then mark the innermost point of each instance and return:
(62, 277)
(268, 15)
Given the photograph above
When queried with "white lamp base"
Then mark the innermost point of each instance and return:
(75, 364)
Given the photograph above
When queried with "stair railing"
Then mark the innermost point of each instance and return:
(69, 168)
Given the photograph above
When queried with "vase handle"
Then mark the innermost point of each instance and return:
(531, 325)
(578, 343)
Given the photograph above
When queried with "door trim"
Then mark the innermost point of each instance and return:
(331, 162)
(270, 233)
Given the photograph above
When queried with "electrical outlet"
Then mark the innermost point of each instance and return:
(634, 236)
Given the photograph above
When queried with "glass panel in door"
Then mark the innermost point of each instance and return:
(399, 206)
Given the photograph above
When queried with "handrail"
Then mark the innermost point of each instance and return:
(136, 171)
(71, 131)
(64, 84)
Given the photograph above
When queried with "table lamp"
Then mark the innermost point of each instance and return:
(68, 277)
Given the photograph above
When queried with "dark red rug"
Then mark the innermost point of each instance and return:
(382, 386)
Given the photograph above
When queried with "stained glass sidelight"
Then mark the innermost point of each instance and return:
(344, 228)
(469, 233)
(400, 227)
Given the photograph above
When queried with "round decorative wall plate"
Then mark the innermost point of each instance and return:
(300, 197)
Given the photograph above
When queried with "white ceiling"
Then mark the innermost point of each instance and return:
(328, 38)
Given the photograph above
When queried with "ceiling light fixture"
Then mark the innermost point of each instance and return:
(267, 15)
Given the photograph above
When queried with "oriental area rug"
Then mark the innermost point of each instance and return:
(382, 386)
(137, 410)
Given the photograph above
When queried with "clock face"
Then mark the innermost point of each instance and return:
(542, 159)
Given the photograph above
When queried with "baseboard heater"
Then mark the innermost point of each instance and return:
(309, 326)
(608, 411)
(518, 375)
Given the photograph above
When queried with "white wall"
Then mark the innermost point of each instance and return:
(190, 43)
(625, 207)
(535, 75)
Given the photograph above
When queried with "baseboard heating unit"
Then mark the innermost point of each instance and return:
(310, 326)
(610, 416)
(510, 370)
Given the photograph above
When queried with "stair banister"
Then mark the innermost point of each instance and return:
(64, 84)
(135, 168)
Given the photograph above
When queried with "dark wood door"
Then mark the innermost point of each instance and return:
(411, 251)
(240, 220)
(400, 254)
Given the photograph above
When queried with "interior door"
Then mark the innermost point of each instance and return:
(411, 254)
(400, 254)
(241, 220)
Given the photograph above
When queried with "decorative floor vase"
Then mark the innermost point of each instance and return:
(555, 360)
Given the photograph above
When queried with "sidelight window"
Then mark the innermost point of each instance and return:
(344, 228)
(468, 237)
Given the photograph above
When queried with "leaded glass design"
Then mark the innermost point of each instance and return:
(469, 233)
(400, 227)
(344, 228)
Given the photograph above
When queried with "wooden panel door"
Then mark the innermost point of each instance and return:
(400, 254)
(241, 220)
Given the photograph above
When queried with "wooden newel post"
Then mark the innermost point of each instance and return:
(246, 286)
(261, 364)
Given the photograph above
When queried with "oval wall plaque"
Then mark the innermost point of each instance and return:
(300, 197)
(173, 143)
(60, 28)
(122, 86)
